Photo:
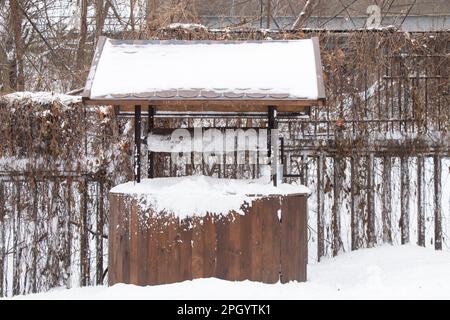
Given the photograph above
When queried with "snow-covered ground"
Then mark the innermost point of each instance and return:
(387, 272)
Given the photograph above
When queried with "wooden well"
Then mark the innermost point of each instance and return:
(267, 244)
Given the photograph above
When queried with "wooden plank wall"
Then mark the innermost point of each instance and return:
(267, 244)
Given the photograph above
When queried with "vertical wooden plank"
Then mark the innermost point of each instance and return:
(437, 203)
(234, 246)
(303, 226)
(197, 248)
(142, 238)
(386, 200)
(209, 246)
(256, 262)
(222, 252)
(185, 250)
(420, 199)
(293, 238)
(163, 247)
(112, 250)
(246, 244)
(404, 200)
(119, 234)
(289, 256)
(152, 259)
(125, 240)
(173, 253)
(285, 246)
(133, 233)
(270, 240)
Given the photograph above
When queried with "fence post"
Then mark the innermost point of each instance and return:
(420, 197)
(2, 239)
(34, 274)
(67, 259)
(84, 262)
(437, 203)
(370, 202)
(404, 199)
(386, 200)
(353, 203)
(99, 236)
(320, 206)
(337, 206)
(16, 254)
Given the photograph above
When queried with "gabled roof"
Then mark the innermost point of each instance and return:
(164, 73)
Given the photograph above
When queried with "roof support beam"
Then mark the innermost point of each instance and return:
(137, 143)
(272, 142)
(150, 129)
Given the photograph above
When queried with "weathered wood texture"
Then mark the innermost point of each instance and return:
(268, 243)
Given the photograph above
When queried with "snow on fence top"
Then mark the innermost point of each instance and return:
(198, 195)
(154, 70)
(40, 97)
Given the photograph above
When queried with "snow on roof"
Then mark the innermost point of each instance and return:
(198, 195)
(210, 70)
(41, 97)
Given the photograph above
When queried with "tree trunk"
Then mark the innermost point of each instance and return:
(101, 10)
(83, 35)
(132, 22)
(151, 14)
(4, 72)
(304, 14)
(16, 27)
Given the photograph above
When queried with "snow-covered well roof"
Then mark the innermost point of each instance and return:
(166, 72)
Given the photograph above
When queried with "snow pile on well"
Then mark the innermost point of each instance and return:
(199, 195)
